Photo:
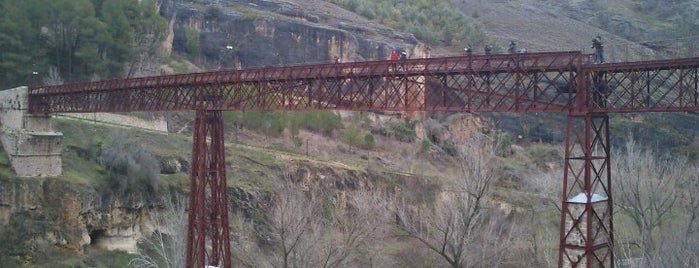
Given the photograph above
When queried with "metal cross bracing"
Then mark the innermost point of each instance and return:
(208, 198)
(495, 83)
(561, 82)
(586, 216)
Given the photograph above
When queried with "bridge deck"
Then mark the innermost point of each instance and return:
(536, 82)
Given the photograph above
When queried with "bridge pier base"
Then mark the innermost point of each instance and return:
(31, 144)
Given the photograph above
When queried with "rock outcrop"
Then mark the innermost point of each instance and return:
(248, 34)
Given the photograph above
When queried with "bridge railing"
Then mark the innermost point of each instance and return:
(540, 82)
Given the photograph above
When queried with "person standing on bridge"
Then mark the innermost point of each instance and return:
(513, 48)
(487, 49)
(468, 50)
(393, 57)
(599, 49)
(522, 53)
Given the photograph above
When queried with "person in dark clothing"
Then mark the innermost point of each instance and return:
(487, 50)
(512, 49)
(468, 50)
(403, 55)
(599, 49)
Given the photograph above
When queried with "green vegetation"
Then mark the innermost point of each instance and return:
(82, 39)
(119, 160)
(131, 168)
(192, 45)
(675, 16)
(425, 146)
(663, 132)
(435, 22)
(369, 141)
(404, 132)
(504, 143)
(12, 237)
(6, 170)
(318, 121)
(352, 136)
(543, 154)
(273, 123)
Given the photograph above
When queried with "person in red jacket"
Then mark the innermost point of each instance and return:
(394, 57)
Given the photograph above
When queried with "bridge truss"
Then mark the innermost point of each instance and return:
(557, 82)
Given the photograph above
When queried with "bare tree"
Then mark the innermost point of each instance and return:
(53, 78)
(542, 234)
(679, 237)
(167, 243)
(460, 227)
(345, 237)
(648, 191)
(290, 224)
(305, 230)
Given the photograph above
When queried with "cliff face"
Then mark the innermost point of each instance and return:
(53, 212)
(245, 34)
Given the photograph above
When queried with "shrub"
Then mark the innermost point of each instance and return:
(351, 136)
(369, 141)
(274, 122)
(298, 142)
(425, 146)
(543, 154)
(15, 236)
(270, 123)
(404, 132)
(450, 149)
(131, 168)
(213, 13)
(324, 122)
(192, 44)
(504, 144)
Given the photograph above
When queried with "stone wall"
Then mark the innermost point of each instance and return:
(33, 147)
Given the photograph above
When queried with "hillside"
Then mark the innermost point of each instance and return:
(632, 30)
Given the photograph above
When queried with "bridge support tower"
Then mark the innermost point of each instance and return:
(208, 241)
(586, 218)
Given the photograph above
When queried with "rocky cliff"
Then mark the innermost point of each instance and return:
(232, 34)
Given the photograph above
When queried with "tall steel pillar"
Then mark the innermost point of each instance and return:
(208, 241)
(586, 238)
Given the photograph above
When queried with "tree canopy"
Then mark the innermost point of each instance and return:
(81, 39)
